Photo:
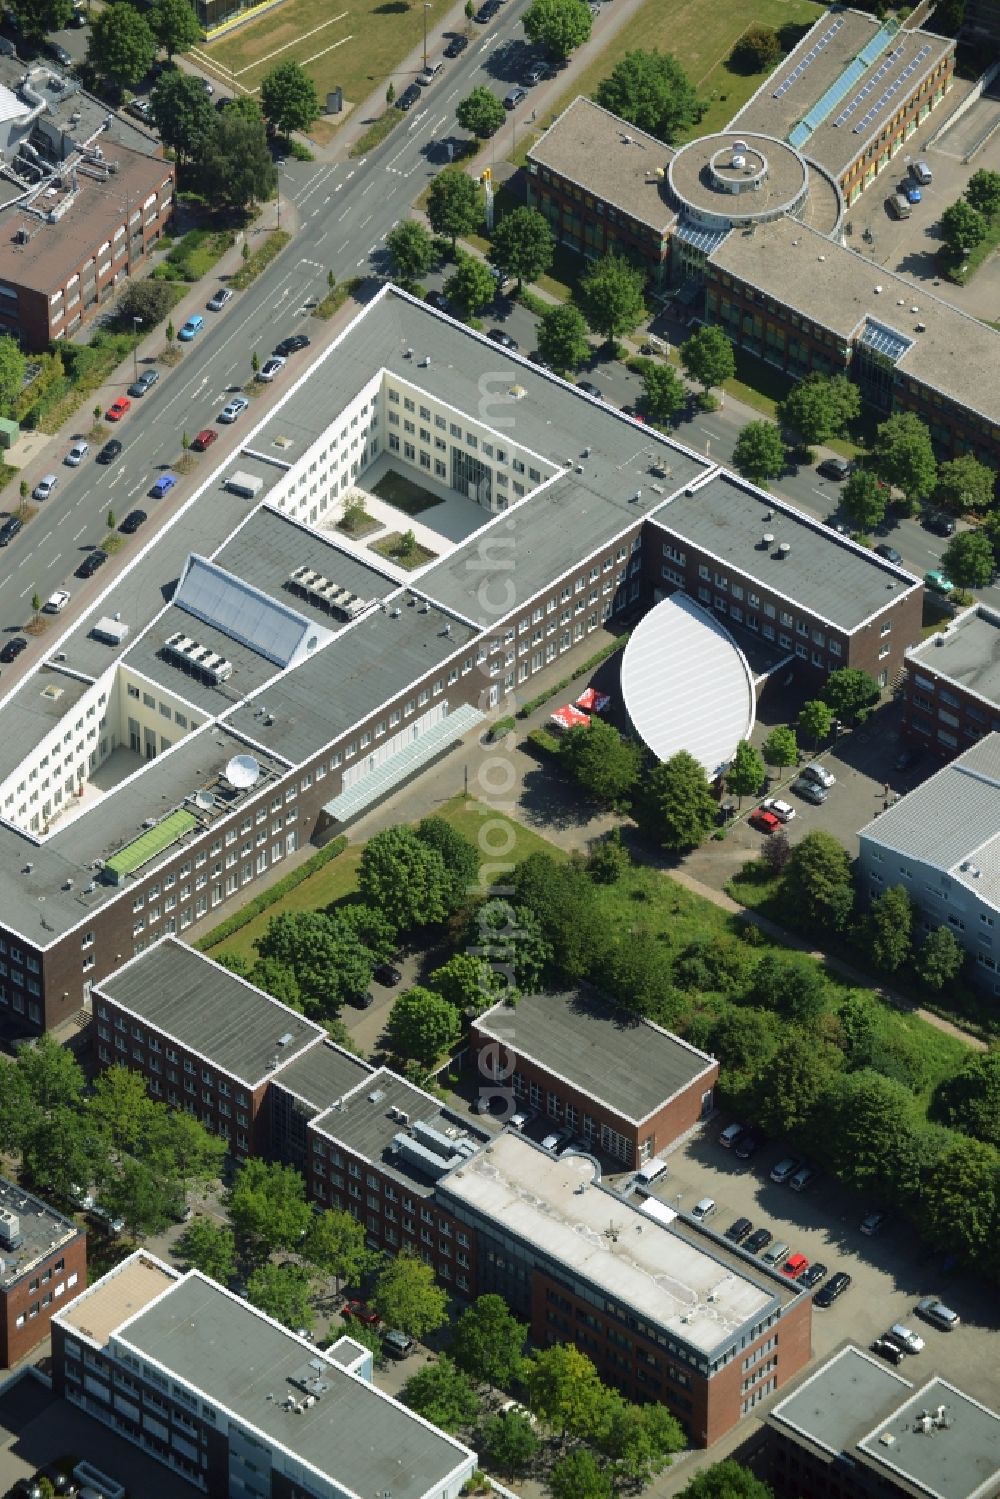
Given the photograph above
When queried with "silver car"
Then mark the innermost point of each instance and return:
(235, 408)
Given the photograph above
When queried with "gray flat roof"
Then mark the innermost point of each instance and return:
(34, 708)
(610, 158)
(828, 284)
(967, 652)
(148, 656)
(837, 1405)
(536, 1197)
(210, 1010)
(605, 1051)
(41, 1229)
(219, 1345)
(839, 581)
(711, 191)
(322, 1074)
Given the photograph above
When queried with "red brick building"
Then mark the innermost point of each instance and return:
(951, 684)
(43, 1266)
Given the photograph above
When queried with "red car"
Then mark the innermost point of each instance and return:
(361, 1313)
(766, 822)
(204, 439)
(118, 408)
(794, 1266)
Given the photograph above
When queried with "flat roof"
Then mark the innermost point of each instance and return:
(610, 158)
(536, 1197)
(242, 1362)
(322, 1074)
(703, 174)
(686, 685)
(35, 707)
(839, 581)
(40, 1227)
(966, 651)
(946, 349)
(123, 1292)
(632, 1065)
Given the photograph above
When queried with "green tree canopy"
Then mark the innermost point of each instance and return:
(890, 928)
(208, 1247)
(488, 1342)
(441, 1394)
(561, 900)
(681, 802)
(122, 1109)
(982, 191)
(324, 953)
(522, 245)
(471, 285)
(411, 250)
(13, 366)
(968, 559)
(143, 1200)
(335, 1244)
(460, 856)
(406, 1296)
(940, 959)
(970, 1100)
(864, 499)
(818, 885)
(512, 939)
(454, 204)
(819, 407)
(794, 986)
(961, 1200)
(962, 228)
(759, 453)
(851, 693)
(276, 978)
(510, 1444)
(236, 164)
(638, 1440)
(288, 98)
(604, 763)
(268, 1209)
(781, 748)
(745, 775)
(578, 1475)
(964, 485)
(663, 393)
(404, 877)
(183, 111)
(470, 984)
(609, 859)
(815, 720)
(565, 1392)
(283, 1292)
(562, 338)
(652, 91)
(175, 26)
(726, 1480)
(708, 357)
(757, 50)
(792, 1085)
(422, 1026)
(870, 1119)
(611, 295)
(121, 45)
(904, 456)
(558, 25)
(481, 112)
(39, 18)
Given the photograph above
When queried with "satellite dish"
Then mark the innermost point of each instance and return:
(205, 799)
(242, 772)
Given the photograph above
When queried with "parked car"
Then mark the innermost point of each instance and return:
(118, 409)
(503, 339)
(219, 297)
(747, 1144)
(110, 451)
(91, 563)
(835, 1286)
(873, 1223)
(764, 821)
(456, 46)
(794, 1266)
(812, 1276)
(107, 1218)
(819, 774)
(408, 97)
(145, 382)
(781, 810)
(934, 1311)
(909, 1341)
(12, 649)
(233, 409)
(438, 300)
(738, 1231)
(810, 791)
(776, 1253)
(557, 1137)
(56, 602)
(204, 439)
(590, 389)
(291, 345)
(387, 975)
(889, 553)
(938, 582)
(11, 526)
(77, 453)
(132, 522)
(785, 1168)
(358, 1311)
(45, 486)
(191, 328)
(836, 468)
(536, 72)
(703, 1209)
(163, 485)
(142, 109)
(801, 1178)
(362, 1001)
(891, 1352)
(731, 1135)
(486, 12)
(271, 367)
(58, 51)
(397, 1344)
(427, 75)
(758, 1240)
(911, 192)
(513, 97)
(940, 523)
(522, 1118)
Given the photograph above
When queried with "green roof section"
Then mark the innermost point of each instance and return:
(150, 843)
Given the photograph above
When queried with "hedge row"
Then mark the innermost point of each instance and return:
(602, 655)
(253, 908)
(544, 741)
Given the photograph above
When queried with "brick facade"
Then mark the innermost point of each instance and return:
(28, 1303)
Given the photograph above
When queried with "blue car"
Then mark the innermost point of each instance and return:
(162, 486)
(191, 328)
(913, 193)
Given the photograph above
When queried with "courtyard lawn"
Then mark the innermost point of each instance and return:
(404, 494)
(393, 547)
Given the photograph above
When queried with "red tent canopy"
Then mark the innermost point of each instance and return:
(592, 700)
(569, 717)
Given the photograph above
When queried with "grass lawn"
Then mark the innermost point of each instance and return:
(391, 547)
(193, 257)
(403, 494)
(758, 383)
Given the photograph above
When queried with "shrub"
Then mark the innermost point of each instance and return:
(269, 897)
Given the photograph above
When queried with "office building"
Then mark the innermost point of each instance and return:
(951, 683)
(43, 1267)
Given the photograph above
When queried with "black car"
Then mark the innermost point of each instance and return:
(747, 1144)
(58, 51)
(387, 975)
(589, 389)
(408, 97)
(487, 12)
(456, 46)
(362, 1001)
(835, 1286)
(835, 468)
(503, 339)
(758, 1240)
(889, 553)
(132, 522)
(9, 529)
(738, 1231)
(439, 300)
(812, 1275)
(888, 1350)
(110, 451)
(13, 649)
(91, 563)
(940, 524)
(291, 345)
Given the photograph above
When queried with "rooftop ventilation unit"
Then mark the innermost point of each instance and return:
(767, 539)
(320, 590)
(10, 1229)
(921, 327)
(197, 659)
(784, 548)
(285, 1039)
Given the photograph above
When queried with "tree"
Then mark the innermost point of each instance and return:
(183, 111)
(121, 1108)
(759, 453)
(561, 900)
(682, 803)
(422, 1026)
(558, 25)
(460, 858)
(890, 926)
(140, 1197)
(278, 980)
(745, 775)
(604, 763)
(815, 720)
(121, 46)
(335, 1244)
(962, 228)
(663, 393)
(565, 1392)
(982, 191)
(471, 285)
(288, 98)
(208, 1247)
(454, 204)
(578, 1476)
(817, 883)
(481, 112)
(652, 91)
(726, 1480)
(869, 1120)
(147, 300)
(390, 94)
(781, 748)
(323, 952)
(236, 164)
(609, 859)
(510, 1444)
(819, 407)
(864, 499)
(175, 26)
(904, 456)
(708, 357)
(639, 1440)
(940, 959)
(611, 295)
(469, 984)
(441, 1394)
(177, 1145)
(13, 365)
(968, 559)
(790, 1088)
(283, 1292)
(406, 1296)
(523, 245)
(62, 1153)
(964, 485)
(404, 878)
(757, 50)
(970, 1100)
(488, 1342)
(411, 249)
(512, 940)
(960, 1199)
(268, 1209)
(562, 338)
(794, 987)
(851, 693)
(39, 18)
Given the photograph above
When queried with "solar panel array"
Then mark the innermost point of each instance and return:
(810, 56)
(894, 87)
(873, 82)
(883, 340)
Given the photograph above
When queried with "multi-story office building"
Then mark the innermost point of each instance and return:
(951, 683)
(623, 1084)
(43, 1266)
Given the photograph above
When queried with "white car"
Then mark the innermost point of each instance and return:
(45, 486)
(781, 809)
(909, 1341)
(77, 453)
(703, 1209)
(271, 367)
(235, 408)
(57, 601)
(820, 775)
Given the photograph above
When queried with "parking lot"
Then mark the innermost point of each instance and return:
(890, 1272)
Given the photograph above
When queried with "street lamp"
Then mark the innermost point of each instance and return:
(136, 323)
(427, 6)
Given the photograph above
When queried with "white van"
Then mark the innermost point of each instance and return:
(648, 1173)
(921, 172)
